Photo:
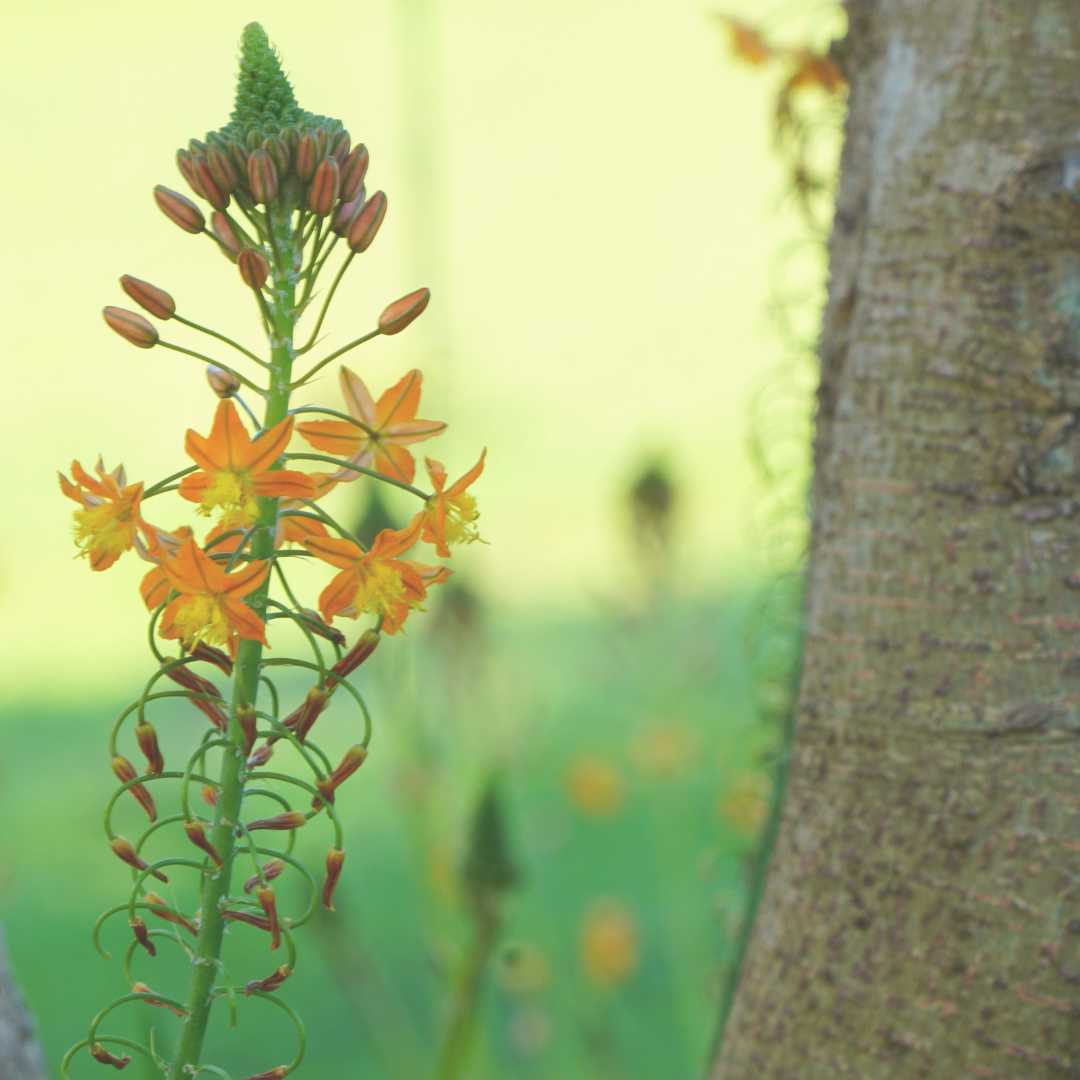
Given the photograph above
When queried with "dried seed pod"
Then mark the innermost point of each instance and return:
(149, 297)
(262, 177)
(254, 268)
(179, 209)
(99, 1053)
(401, 312)
(160, 907)
(365, 225)
(270, 870)
(131, 327)
(323, 192)
(268, 902)
(271, 982)
(142, 935)
(353, 171)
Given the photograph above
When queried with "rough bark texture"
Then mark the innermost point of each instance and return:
(20, 1055)
(922, 915)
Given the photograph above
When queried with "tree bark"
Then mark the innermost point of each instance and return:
(20, 1054)
(922, 913)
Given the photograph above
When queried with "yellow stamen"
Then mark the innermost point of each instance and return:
(380, 588)
(202, 618)
(461, 517)
(232, 492)
(107, 528)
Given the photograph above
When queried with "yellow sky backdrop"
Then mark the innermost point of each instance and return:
(587, 188)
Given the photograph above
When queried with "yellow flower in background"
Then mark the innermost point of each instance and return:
(594, 786)
(664, 751)
(746, 803)
(609, 945)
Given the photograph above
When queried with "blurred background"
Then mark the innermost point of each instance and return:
(620, 210)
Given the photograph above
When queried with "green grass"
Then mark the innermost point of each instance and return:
(526, 696)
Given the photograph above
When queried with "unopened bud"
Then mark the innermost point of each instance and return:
(302, 719)
(245, 717)
(268, 902)
(149, 297)
(147, 739)
(270, 870)
(125, 772)
(197, 835)
(354, 757)
(262, 177)
(222, 168)
(353, 171)
(99, 1053)
(142, 935)
(401, 312)
(278, 150)
(213, 194)
(313, 621)
(363, 648)
(209, 795)
(345, 213)
(224, 383)
(366, 224)
(254, 268)
(159, 907)
(226, 234)
(124, 851)
(339, 146)
(260, 756)
(307, 156)
(325, 787)
(324, 188)
(131, 327)
(186, 165)
(335, 860)
(293, 819)
(179, 209)
(212, 655)
(271, 982)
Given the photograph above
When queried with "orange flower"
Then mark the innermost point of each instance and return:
(375, 580)
(449, 516)
(210, 606)
(159, 545)
(295, 530)
(108, 523)
(382, 430)
(236, 469)
(747, 43)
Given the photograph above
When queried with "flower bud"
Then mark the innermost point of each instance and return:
(290, 136)
(147, 739)
(307, 156)
(179, 209)
(226, 235)
(261, 921)
(278, 150)
(203, 693)
(131, 327)
(197, 835)
(313, 621)
(325, 787)
(224, 383)
(302, 719)
(271, 982)
(260, 756)
(186, 165)
(354, 757)
(124, 851)
(335, 859)
(142, 935)
(160, 908)
(254, 268)
(262, 177)
(213, 194)
(339, 146)
(149, 297)
(245, 717)
(99, 1053)
(125, 772)
(222, 168)
(353, 171)
(293, 819)
(209, 795)
(268, 902)
(363, 648)
(324, 188)
(346, 212)
(401, 312)
(217, 657)
(270, 870)
(366, 224)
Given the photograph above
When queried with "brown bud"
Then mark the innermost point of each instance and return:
(307, 156)
(335, 859)
(278, 149)
(232, 915)
(222, 168)
(353, 171)
(339, 146)
(149, 297)
(226, 234)
(363, 648)
(323, 192)
(245, 717)
(212, 655)
(204, 694)
(302, 719)
(179, 209)
(254, 268)
(154, 999)
(366, 224)
(186, 166)
(99, 1053)
(131, 327)
(345, 213)
(209, 795)
(146, 737)
(260, 756)
(401, 312)
(268, 902)
(293, 819)
(271, 982)
(142, 935)
(160, 908)
(213, 194)
(325, 788)
(354, 757)
(197, 835)
(124, 851)
(125, 771)
(272, 1074)
(262, 177)
(313, 621)
(224, 383)
(270, 870)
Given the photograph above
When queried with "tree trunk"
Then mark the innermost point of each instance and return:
(20, 1055)
(922, 913)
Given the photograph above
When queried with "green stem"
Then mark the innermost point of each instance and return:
(246, 673)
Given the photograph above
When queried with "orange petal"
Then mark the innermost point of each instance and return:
(401, 401)
(154, 588)
(295, 530)
(338, 595)
(191, 570)
(357, 396)
(460, 485)
(84, 479)
(395, 461)
(341, 553)
(411, 431)
(333, 436)
(391, 542)
(437, 472)
(193, 487)
(261, 453)
(285, 483)
(247, 579)
(70, 490)
(243, 620)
